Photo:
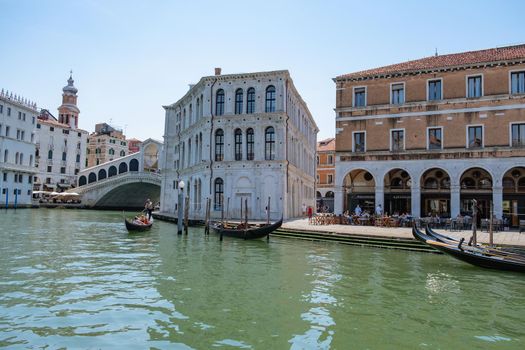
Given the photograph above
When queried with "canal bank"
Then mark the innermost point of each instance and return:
(379, 237)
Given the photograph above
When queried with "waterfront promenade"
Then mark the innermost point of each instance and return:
(513, 238)
(500, 238)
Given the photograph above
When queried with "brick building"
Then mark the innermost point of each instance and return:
(325, 175)
(430, 135)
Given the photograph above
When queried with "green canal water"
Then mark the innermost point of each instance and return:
(76, 279)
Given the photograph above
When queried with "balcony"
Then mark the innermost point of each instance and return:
(448, 153)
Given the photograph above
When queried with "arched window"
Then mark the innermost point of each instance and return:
(219, 145)
(431, 183)
(238, 144)
(201, 113)
(198, 108)
(21, 158)
(92, 177)
(250, 101)
(17, 157)
(238, 101)
(50, 154)
(31, 160)
(101, 174)
(134, 165)
(122, 168)
(269, 143)
(111, 151)
(82, 181)
(508, 183)
(249, 144)
(485, 183)
(270, 99)
(468, 183)
(122, 153)
(218, 193)
(64, 156)
(112, 171)
(6, 155)
(219, 103)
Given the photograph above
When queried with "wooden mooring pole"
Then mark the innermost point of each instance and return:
(491, 227)
(186, 213)
(207, 218)
(268, 217)
(222, 215)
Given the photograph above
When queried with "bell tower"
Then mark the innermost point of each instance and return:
(68, 111)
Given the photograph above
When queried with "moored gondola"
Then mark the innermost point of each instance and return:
(474, 255)
(245, 231)
(492, 250)
(132, 227)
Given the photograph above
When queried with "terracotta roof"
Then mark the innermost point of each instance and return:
(498, 54)
(326, 145)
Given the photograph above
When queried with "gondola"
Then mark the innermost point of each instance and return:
(473, 255)
(245, 231)
(493, 250)
(130, 226)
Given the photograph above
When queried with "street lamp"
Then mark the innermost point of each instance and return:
(179, 218)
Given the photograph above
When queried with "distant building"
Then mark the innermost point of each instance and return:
(325, 175)
(240, 137)
(17, 150)
(61, 145)
(134, 145)
(105, 144)
(428, 136)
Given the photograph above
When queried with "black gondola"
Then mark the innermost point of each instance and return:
(511, 252)
(130, 226)
(245, 232)
(473, 255)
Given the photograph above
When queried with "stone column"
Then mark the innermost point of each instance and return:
(338, 200)
(380, 196)
(454, 200)
(415, 200)
(497, 200)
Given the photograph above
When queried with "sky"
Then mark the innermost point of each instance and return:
(129, 58)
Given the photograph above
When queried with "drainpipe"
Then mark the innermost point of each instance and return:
(211, 133)
(286, 141)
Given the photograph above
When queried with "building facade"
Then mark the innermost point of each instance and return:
(61, 145)
(428, 136)
(240, 137)
(17, 150)
(105, 144)
(325, 175)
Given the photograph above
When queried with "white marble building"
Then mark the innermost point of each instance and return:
(240, 136)
(17, 150)
(61, 145)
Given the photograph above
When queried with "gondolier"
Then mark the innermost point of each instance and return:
(148, 207)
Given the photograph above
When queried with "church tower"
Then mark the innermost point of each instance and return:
(68, 111)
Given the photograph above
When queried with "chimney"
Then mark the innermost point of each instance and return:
(217, 71)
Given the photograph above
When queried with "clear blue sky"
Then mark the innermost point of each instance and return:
(131, 57)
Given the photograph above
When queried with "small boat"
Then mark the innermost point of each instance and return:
(494, 250)
(137, 227)
(245, 231)
(477, 256)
